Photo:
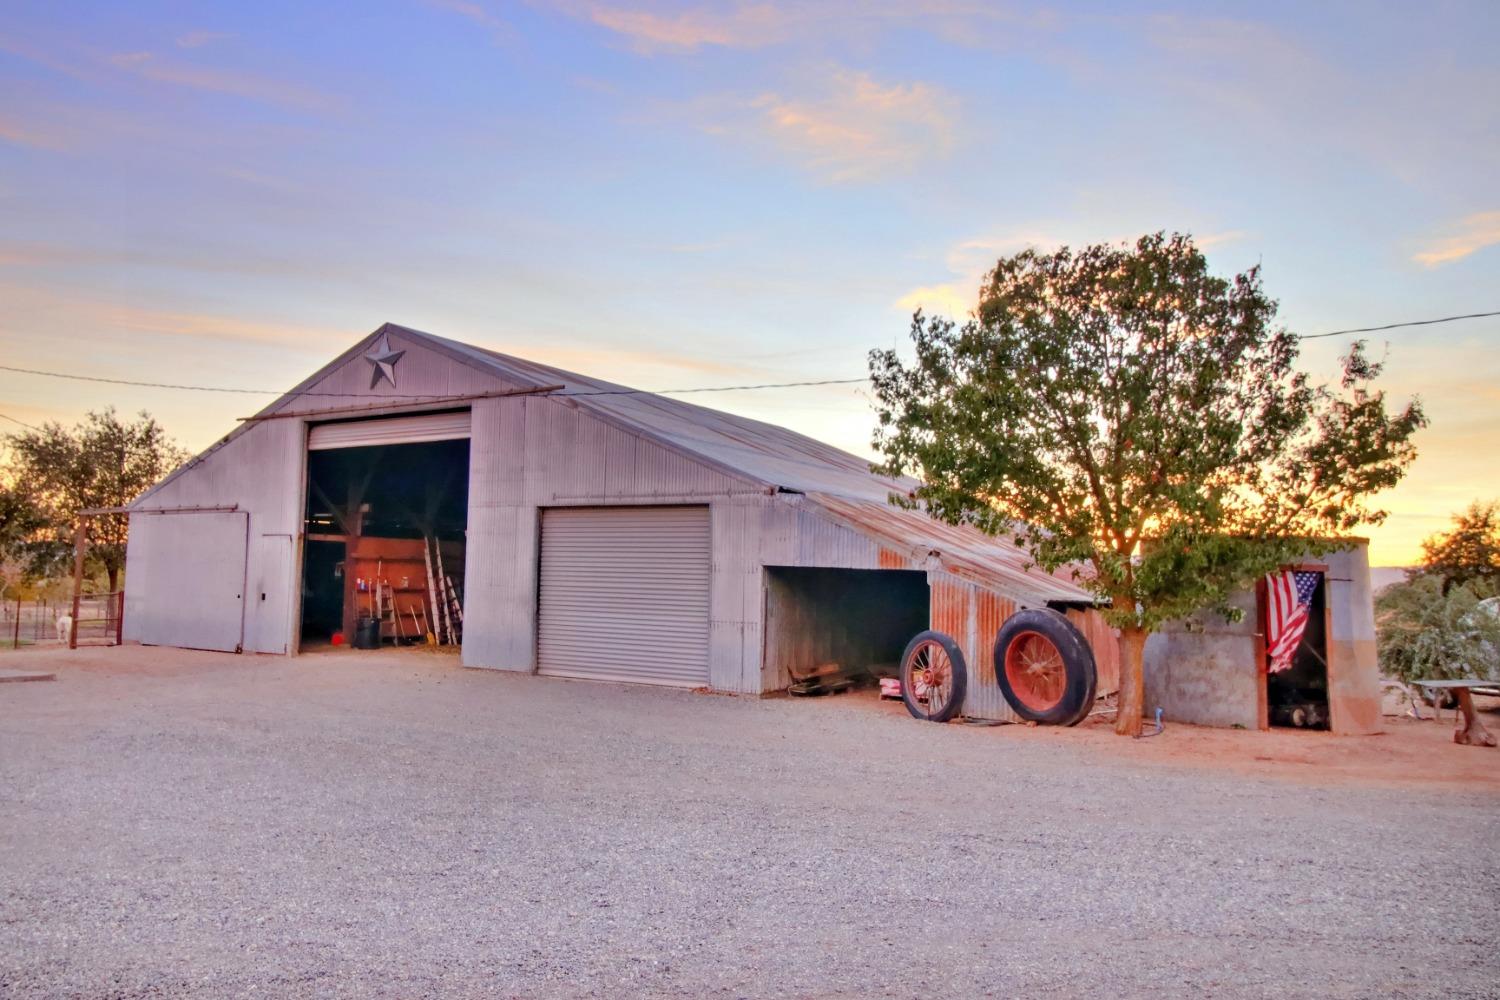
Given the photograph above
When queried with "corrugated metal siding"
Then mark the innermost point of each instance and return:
(389, 430)
(973, 615)
(421, 372)
(199, 590)
(260, 471)
(1105, 643)
(534, 452)
(625, 594)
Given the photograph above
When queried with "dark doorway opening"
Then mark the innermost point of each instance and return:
(385, 528)
(1298, 697)
(859, 619)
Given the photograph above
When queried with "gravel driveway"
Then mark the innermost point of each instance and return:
(190, 824)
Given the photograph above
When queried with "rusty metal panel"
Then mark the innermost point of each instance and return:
(1104, 641)
(972, 616)
(965, 552)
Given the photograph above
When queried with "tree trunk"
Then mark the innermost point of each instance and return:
(114, 577)
(1132, 682)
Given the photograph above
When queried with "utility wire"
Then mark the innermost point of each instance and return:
(7, 416)
(1396, 326)
(621, 392)
(712, 388)
(191, 388)
(397, 395)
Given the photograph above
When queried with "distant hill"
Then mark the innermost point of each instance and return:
(1382, 577)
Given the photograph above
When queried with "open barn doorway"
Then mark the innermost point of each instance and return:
(1298, 696)
(855, 620)
(383, 560)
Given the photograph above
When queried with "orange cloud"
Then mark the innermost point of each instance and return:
(1473, 233)
(746, 26)
(948, 300)
(861, 128)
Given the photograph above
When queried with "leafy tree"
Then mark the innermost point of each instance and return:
(1429, 629)
(20, 520)
(102, 462)
(20, 523)
(1470, 552)
(1121, 411)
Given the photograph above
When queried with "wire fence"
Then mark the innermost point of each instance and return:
(46, 623)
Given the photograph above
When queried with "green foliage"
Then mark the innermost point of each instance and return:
(1428, 631)
(20, 520)
(102, 462)
(1123, 411)
(1470, 552)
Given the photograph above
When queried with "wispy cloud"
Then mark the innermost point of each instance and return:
(18, 134)
(742, 26)
(105, 320)
(651, 27)
(1477, 231)
(198, 39)
(968, 261)
(476, 12)
(267, 90)
(947, 299)
(859, 128)
(1208, 240)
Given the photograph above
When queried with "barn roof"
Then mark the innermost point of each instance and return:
(839, 485)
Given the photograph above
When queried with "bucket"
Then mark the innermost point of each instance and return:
(367, 633)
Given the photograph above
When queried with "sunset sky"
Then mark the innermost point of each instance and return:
(676, 195)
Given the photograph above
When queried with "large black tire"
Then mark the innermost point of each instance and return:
(924, 654)
(1060, 696)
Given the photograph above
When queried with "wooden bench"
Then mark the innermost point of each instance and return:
(1469, 731)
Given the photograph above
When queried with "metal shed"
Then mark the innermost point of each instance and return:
(602, 533)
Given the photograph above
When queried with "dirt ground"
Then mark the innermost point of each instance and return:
(1410, 752)
(389, 824)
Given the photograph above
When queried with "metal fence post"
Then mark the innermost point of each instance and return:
(80, 541)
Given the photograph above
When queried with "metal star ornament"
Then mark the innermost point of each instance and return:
(383, 363)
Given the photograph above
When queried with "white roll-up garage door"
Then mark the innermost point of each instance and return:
(624, 594)
(389, 430)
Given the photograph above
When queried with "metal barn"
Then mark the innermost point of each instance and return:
(593, 532)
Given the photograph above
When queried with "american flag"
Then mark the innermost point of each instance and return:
(1288, 595)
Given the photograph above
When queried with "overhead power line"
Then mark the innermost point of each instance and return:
(7, 416)
(710, 388)
(617, 392)
(396, 395)
(1396, 326)
(188, 388)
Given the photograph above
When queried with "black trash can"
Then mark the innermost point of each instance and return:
(367, 633)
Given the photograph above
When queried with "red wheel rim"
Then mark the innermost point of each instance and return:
(928, 677)
(1035, 669)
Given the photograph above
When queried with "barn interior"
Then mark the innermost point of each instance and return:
(858, 620)
(1298, 697)
(385, 528)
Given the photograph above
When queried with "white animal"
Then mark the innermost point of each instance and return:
(64, 627)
